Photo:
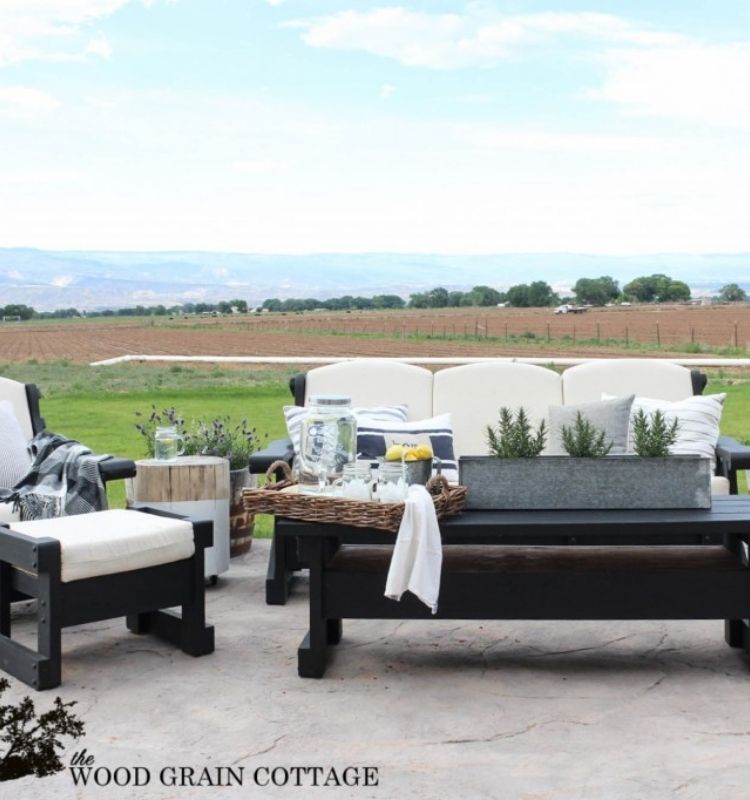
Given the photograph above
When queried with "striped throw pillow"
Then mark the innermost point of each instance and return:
(374, 438)
(14, 451)
(698, 419)
(295, 414)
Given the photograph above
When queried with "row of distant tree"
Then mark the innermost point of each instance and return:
(588, 291)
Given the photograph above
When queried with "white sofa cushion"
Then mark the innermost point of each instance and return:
(294, 416)
(15, 393)
(375, 436)
(15, 458)
(107, 542)
(7, 514)
(646, 377)
(375, 382)
(474, 395)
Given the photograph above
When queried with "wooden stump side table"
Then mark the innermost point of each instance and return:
(194, 485)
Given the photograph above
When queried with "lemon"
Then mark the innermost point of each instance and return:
(411, 455)
(423, 452)
(394, 453)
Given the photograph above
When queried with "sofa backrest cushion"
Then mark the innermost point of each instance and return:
(375, 382)
(644, 377)
(15, 393)
(474, 395)
(15, 458)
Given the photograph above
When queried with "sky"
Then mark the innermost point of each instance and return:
(293, 126)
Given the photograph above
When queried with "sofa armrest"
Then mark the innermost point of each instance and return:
(730, 457)
(115, 469)
(278, 450)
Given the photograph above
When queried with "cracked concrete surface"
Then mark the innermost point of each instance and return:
(527, 710)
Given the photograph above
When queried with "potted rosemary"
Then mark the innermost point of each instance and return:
(519, 475)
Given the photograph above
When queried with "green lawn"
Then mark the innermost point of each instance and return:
(98, 405)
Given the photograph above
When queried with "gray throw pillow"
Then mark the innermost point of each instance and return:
(611, 416)
(14, 451)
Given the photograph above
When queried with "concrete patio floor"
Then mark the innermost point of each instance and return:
(499, 710)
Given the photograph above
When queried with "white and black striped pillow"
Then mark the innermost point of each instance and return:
(295, 414)
(14, 448)
(373, 438)
(698, 419)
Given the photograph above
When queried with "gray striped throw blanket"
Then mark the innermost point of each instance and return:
(63, 480)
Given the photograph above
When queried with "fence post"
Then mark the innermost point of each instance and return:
(598, 334)
(574, 333)
(627, 336)
(736, 338)
(506, 331)
(548, 333)
(692, 334)
(658, 335)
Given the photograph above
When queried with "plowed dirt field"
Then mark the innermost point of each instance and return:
(445, 332)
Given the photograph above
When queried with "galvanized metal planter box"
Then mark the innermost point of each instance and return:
(564, 482)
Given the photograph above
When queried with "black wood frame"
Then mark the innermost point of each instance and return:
(634, 565)
(30, 568)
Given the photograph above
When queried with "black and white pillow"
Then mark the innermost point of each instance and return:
(375, 437)
(294, 415)
(14, 448)
(698, 420)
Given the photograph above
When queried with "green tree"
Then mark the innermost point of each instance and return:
(596, 291)
(657, 288)
(534, 295)
(18, 310)
(272, 304)
(483, 296)
(419, 300)
(388, 301)
(732, 293)
(438, 297)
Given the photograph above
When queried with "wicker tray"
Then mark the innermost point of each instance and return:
(270, 499)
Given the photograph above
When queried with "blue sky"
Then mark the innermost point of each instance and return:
(333, 126)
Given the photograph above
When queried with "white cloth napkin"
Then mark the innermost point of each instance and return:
(418, 554)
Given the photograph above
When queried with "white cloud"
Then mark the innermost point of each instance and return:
(387, 90)
(14, 274)
(453, 41)
(25, 101)
(62, 280)
(689, 80)
(529, 139)
(258, 166)
(53, 29)
(99, 46)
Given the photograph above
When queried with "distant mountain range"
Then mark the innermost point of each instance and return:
(48, 280)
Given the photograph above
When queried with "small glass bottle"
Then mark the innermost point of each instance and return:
(328, 442)
(356, 481)
(392, 486)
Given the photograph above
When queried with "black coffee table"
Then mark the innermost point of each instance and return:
(576, 565)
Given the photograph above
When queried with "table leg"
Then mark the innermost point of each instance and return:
(278, 575)
(733, 632)
(312, 655)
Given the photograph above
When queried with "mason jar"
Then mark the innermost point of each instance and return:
(392, 486)
(328, 442)
(356, 481)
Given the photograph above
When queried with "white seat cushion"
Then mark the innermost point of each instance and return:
(647, 377)
(375, 382)
(107, 542)
(7, 514)
(719, 485)
(474, 395)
